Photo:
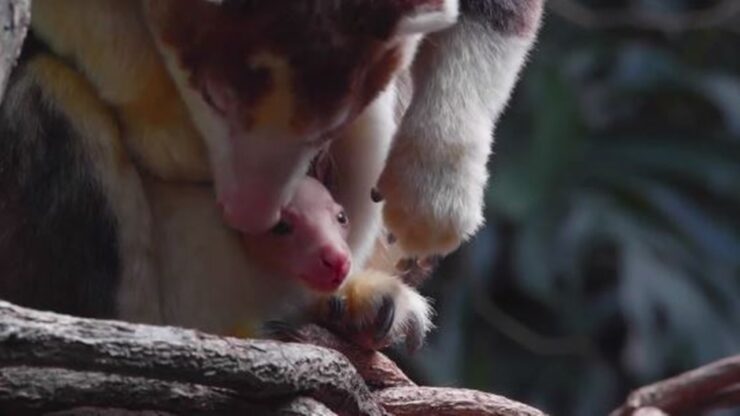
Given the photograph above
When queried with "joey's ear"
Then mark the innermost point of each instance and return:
(424, 16)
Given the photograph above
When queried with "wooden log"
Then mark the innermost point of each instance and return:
(33, 390)
(687, 391)
(15, 16)
(442, 401)
(27, 391)
(257, 370)
(376, 368)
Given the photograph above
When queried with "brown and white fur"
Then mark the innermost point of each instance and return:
(120, 139)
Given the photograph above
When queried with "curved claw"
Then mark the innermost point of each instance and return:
(384, 319)
(414, 333)
(376, 196)
(376, 309)
(337, 309)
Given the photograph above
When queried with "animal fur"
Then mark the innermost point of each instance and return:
(115, 149)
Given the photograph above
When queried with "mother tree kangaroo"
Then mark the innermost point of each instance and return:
(140, 137)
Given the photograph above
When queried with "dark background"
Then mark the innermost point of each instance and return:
(611, 255)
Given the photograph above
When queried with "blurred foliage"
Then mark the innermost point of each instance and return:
(611, 257)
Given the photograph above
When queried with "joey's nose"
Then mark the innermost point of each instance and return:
(336, 261)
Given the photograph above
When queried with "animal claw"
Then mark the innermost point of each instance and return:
(384, 319)
(376, 196)
(337, 309)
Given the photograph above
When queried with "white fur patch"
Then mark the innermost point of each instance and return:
(207, 281)
(464, 79)
(411, 307)
(359, 154)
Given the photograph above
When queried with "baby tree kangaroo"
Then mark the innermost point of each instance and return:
(309, 243)
(309, 246)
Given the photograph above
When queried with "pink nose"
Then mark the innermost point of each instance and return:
(337, 261)
(248, 214)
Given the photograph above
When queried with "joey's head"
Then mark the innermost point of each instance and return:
(310, 241)
(268, 82)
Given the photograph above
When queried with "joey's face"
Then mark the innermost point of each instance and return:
(268, 82)
(309, 243)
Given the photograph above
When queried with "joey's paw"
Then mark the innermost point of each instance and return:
(431, 206)
(375, 309)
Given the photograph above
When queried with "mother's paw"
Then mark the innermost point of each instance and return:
(375, 309)
(431, 206)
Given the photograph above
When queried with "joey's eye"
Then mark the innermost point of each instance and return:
(282, 228)
(342, 218)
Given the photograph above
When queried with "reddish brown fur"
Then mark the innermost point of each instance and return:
(338, 50)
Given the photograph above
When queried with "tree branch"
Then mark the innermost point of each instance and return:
(27, 390)
(31, 391)
(51, 362)
(714, 385)
(401, 396)
(255, 369)
(15, 16)
(441, 401)
(376, 369)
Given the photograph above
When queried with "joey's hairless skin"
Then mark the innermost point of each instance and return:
(309, 243)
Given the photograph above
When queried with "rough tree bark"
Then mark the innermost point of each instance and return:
(715, 385)
(51, 362)
(15, 15)
(253, 370)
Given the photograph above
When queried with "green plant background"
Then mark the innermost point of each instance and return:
(611, 254)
